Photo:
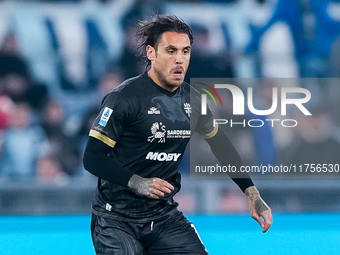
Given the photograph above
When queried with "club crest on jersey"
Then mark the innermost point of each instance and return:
(105, 116)
(187, 109)
(158, 131)
(154, 110)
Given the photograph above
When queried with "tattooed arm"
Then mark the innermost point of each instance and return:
(258, 208)
(150, 187)
(220, 144)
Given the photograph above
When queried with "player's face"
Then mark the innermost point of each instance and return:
(170, 61)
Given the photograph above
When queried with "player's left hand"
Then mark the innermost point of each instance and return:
(258, 208)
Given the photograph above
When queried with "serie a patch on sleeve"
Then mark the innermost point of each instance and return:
(105, 116)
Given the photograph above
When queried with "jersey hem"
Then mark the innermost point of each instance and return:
(173, 211)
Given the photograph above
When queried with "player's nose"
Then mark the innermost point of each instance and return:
(179, 58)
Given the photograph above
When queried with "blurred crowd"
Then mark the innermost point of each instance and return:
(43, 133)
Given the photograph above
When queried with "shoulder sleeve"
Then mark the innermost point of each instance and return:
(113, 117)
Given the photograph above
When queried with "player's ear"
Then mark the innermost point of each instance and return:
(150, 52)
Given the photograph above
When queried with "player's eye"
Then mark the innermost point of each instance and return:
(171, 51)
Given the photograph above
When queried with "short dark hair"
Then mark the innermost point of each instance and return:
(150, 32)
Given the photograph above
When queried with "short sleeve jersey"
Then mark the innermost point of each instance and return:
(148, 128)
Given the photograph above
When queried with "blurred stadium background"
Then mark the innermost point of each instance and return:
(58, 59)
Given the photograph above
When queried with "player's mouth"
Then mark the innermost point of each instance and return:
(178, 72)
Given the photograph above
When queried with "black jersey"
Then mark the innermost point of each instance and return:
(148, 128)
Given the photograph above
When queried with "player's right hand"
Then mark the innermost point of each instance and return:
(150, 187)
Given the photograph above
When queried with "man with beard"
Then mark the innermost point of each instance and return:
(134, 152)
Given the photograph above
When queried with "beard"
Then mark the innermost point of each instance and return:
(165, 82)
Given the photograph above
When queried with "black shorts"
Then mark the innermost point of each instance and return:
(172, 235)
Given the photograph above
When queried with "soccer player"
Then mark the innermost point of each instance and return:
(137, 160)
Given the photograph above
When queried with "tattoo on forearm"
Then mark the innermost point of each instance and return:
(260, 205)
(256, 201)
(144, 186)
(141, 185)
